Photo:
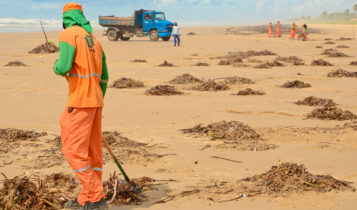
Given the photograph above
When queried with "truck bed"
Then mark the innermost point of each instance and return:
(108, 21)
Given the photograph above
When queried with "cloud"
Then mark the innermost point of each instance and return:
(45, 5)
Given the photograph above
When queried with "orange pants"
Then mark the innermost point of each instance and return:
(277, 32)
(270, 32)
(81, 134)
(292, 36)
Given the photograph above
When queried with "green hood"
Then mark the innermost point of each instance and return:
(76, 17)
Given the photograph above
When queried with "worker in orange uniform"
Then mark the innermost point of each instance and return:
(83, 63)
(293, 31)
(270, 30)
(277, 32)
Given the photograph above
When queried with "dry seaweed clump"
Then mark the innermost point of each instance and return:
(342, 46)
(341, 73)
(37, 193)
(333, 53)
(231, 59)
(128, 150)
(291, 59)
(234, 133)
(344, 39)
(127, 83)
(314, 101)
(191, 33)
(48, 47)
(320, 62)
(332, 113)
(166, 64)
(15, 63)
(249, 91)
(329, 42)
(11, 137)
(353, 63)
(201, 64)
(163, 90)
(211, 85)
(185, 79)
(139, 61)
(237, 80)
(296, 84)
(291, 177)
(268, 65)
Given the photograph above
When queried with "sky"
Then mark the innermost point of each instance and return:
(189, 12)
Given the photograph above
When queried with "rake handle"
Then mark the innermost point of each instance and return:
(116, 160)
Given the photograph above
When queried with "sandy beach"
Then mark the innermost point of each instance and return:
(33, 98)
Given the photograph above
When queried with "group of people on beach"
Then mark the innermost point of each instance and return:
(303, 34)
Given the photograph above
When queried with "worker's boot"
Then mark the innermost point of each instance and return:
(100, 205)
(74, 205)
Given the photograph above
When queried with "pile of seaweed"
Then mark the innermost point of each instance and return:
(296, 84)
(292, 177)
(235, 80)
(333, 53)
(201, 64)
(139, 61)
(184, 79)
(211, 85)
(269, 64)
(11, 138)
(314, 101)
(332, 113)
(329, 42)
(342, 46)
(235, 133)
(163, 90)
(166, 64)
(291, 59)
(344, 39)
(128, 150)
(48, 47)
(15, 63)
(320, 62)
(127, 83)
(249, 91)
(342, 73)
(191, 33)
(353, 63)
(53, 191)
(236, 58)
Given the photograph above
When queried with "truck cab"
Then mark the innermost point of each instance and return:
(143, 23)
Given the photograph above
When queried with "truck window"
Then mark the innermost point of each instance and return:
(159, 16)
(148, 17)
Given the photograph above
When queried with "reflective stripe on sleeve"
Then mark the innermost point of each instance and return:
(82, 169)
(97, 169)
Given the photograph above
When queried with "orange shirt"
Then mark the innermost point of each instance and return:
(85, 74)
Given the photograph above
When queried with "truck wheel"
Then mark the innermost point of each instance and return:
(112, 35)
(154, 35)
(124, 38)
(166, 38)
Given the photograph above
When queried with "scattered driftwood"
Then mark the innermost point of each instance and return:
(313, 101)
(249, 91)
(163, 90)
(333, 53)
(139, 61)
(342, 73)
(332, 113)
(15, 63)
(211, 85)
(166, 64)
(320, 62)
(45, 48)
(127, 83)
(185, 79)
(234, 133)
(296, 84)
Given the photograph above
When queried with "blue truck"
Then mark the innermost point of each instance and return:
(143, 23)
